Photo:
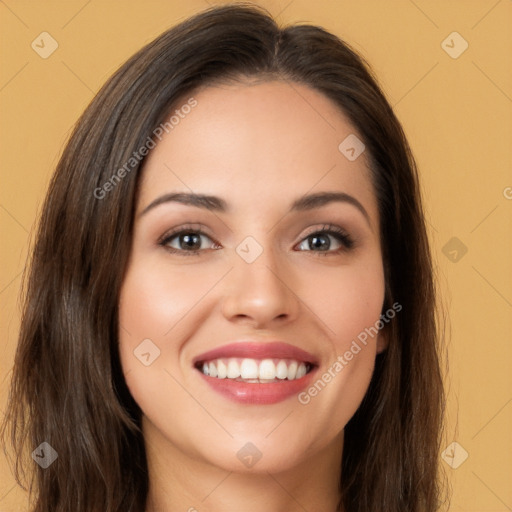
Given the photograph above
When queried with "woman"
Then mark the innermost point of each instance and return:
(291, 362)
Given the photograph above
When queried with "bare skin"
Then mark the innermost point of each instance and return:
(259, 147)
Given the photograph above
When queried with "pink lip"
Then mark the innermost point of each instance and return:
(258, 394)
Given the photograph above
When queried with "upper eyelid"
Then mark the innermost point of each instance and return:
(192, 228)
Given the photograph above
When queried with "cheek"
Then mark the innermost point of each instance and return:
(164, 306)
(153, 300)
(347, 302)
(151, 304)
(153, 309)
(350, 314)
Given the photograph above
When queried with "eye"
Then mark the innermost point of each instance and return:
(320, 241)
(186, 241)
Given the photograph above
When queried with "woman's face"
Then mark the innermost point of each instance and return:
(219, 323)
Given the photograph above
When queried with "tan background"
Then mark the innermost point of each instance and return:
(456, 113)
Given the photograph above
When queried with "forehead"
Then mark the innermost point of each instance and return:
(256, 142)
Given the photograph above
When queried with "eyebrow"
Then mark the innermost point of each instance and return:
(216, 204)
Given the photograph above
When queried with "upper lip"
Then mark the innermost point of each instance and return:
(258, 350)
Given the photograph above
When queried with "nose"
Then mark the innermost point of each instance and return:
(260, 294)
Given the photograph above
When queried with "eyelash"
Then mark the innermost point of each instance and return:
(339, 234)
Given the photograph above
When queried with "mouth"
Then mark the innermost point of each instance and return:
(257, 373)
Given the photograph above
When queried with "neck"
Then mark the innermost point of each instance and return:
(179, 482)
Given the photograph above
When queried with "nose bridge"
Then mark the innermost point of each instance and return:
(259, 284)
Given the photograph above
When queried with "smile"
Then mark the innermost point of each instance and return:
(257, 373)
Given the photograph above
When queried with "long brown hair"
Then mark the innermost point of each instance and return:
(68, 388)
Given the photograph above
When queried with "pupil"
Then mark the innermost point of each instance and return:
(191, 241)
(321, 242)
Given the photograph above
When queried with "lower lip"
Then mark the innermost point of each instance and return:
(258, 394)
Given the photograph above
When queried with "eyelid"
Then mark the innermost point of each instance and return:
(325, 228)
(192, 227)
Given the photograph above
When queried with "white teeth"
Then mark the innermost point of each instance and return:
(212, 370)
(292, 370)
(301, 371)
(222, 371)
(281, 370)
(233, 369)
(249, 369)
(254, 370)
(267, 369)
